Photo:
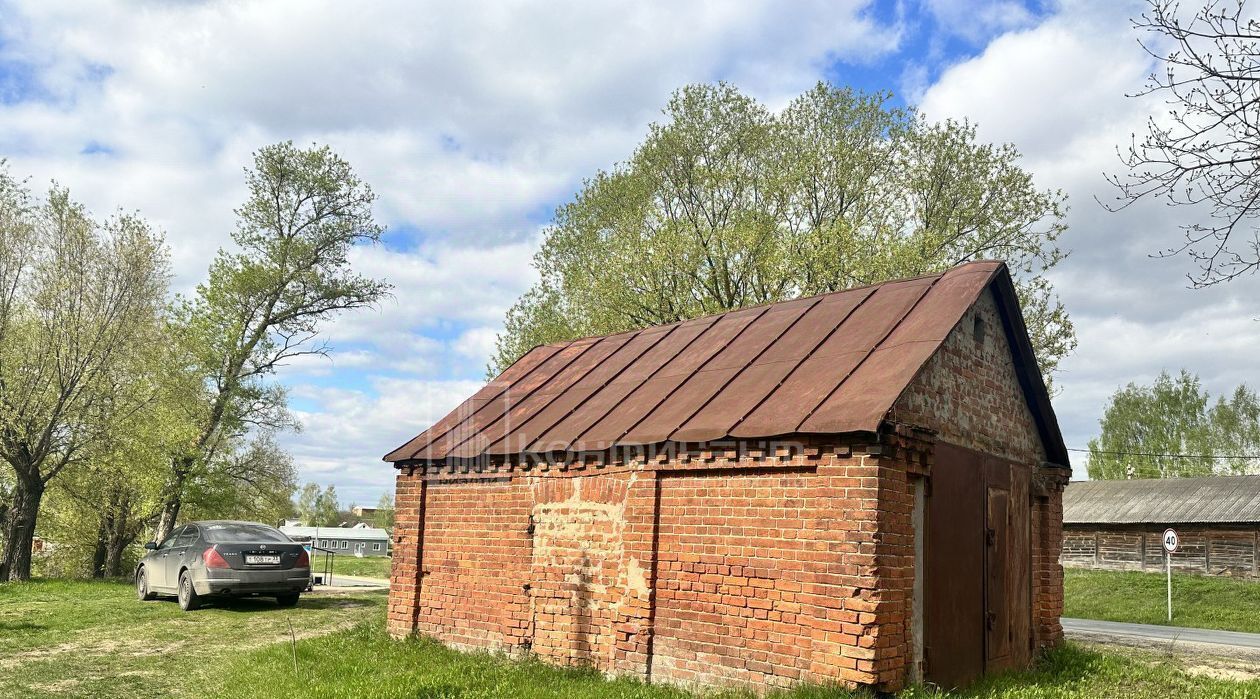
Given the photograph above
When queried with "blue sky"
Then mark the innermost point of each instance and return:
(473, 122)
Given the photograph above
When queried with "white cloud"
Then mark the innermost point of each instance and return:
(470, 120)
(1058, 92)
(976, 19)
(466, 117)
(476, 343)
(344, 440)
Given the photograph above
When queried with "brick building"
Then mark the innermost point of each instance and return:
(863, 486)
(1119, 525)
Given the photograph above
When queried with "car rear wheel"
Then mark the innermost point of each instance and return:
(188, 598)
(289, 600)
(142, 586)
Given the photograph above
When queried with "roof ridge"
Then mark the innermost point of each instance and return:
(954, 269)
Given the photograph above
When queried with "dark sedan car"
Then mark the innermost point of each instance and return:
(224, 559)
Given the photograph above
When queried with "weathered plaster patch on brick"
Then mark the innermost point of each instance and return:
(577, 555)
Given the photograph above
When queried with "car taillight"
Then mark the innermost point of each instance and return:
(303, 561)
(214, 559)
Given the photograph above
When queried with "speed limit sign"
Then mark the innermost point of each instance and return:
(1170, 546)
(1171, 540)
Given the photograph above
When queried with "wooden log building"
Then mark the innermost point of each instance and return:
(1118, 525)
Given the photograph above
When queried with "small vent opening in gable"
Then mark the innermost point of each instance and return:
(977, 329)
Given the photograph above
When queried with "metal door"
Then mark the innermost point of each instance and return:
(953, 584)
(997, 636)
(977, 574)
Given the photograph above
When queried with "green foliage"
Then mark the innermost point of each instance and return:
(254, 480)
(1143, 426)
(318, 508)
(727, 204)
(385, 511)
(1199, 601)
(265, 301)
(80, 301)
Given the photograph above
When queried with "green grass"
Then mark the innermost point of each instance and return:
(347, 564)
(1198, 601)
(1077, 672)
(364, 662)
(93, 638)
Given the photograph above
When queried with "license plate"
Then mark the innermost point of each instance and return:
(262, 560)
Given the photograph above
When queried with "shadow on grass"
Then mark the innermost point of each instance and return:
(20, 626)
(266, 605)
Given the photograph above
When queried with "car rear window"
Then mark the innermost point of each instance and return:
(242, 533)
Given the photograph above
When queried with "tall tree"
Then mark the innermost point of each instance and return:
(264, 303)
(308, 498)
(248, 479)
(727, 204)
(385, 511)
(318, 508)
(1172, 428)
(77, 298)
(327, 508)
(1203, 152)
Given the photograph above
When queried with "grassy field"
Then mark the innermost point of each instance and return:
(72, 639)
(347, 564)
(64, 638)
(1198, 601)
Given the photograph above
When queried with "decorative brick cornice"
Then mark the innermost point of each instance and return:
(785, 452)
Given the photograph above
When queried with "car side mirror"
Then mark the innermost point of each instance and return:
(151, 545)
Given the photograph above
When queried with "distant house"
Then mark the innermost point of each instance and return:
(360, 511)
(359, 540)
(1118, 525)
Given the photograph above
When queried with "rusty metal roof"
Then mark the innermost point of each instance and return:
(827, 364)
(1214, 499)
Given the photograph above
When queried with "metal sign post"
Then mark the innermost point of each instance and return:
(1170, 545)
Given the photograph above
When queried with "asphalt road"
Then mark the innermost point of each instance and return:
(1089, 629)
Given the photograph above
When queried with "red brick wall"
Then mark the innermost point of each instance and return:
(770, 578)
(969, 394)
(766, 571)
(404, 583)
(474, 563)
(1047, 537)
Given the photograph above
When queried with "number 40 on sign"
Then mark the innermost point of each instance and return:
(1171, 540)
